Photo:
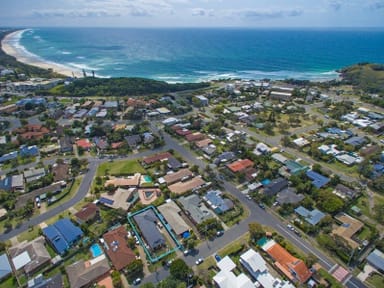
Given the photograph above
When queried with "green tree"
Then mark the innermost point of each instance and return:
(180, 270)
(256, 231)
(135, 269)
(116, 280)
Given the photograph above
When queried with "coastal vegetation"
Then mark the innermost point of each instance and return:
(367, 77)
(91, 86)
(10, 62)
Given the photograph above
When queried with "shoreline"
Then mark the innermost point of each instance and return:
(10, 46)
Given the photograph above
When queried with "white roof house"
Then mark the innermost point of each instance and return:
(227, 279)
(257, 267)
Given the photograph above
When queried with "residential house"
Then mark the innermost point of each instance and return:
(188, 185)
(293, 268)
(60, 172)
(115, 245)
(240, 166)
(345, 192)
(62, 235)
(318, 180)
(124, 182)
(146, 222)
(87, 214)
(172, 214)
(56, 281)
(157, 157)
(228, 279)
(224, 157)
(34, 174)
(32, 131)
(12, 183)
(111, 105)
(258, 269)
(5, 267)
(203, 101)
(195, 209)
(173, 163)
(217, 202)
(275, 186)
(65, 144)
(181, 175)
(133, 140)
(29, 256)
(84, 144)
(289, 196)
(348, 228)
(84, 273)
(120, 199)
(312, 217)
(376, 259)
(356, 141)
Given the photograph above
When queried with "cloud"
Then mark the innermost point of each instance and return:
(73, 13)
(335, 4)
(377, 5)
(266, 14)
(202, 12)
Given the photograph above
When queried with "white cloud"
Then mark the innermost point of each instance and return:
(202, 12)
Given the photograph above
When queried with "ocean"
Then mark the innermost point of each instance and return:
(193, 55)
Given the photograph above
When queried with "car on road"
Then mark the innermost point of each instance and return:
(219, 233)
(217, 257)
(137, 281)
(186, 252)
(290, 227)
(199, 261)
(261, 205)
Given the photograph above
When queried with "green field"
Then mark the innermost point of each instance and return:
(126, 167)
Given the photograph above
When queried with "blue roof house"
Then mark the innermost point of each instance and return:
(29, 151)
(5, 267)
(63, 234)
(218, 204)
(312, 217)
(376, 259)
(318, 180)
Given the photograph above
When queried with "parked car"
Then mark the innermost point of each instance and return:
(169, 262)
(219, 233)
(186, 252)
(261, 205)
(217, 257)
(137, 281)
(199, 261)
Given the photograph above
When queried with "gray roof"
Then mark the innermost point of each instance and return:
(34, 174)
(289, 196)
(376, 259)
(5, 267)
(80, 276)
(275, 186)
(171, 211)
(356, 141)
(36, 251)
(195, 208)
(147, 221)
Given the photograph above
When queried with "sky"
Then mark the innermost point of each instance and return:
(192, 13)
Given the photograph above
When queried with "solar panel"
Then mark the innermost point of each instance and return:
(106, 201)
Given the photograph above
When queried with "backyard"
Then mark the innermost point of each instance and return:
(125, 167)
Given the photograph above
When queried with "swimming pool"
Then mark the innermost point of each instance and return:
(147, 178)
(96, 250)
(265, 182)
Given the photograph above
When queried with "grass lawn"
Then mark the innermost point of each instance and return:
(375, 280)
(363, 205)
(235, 247)
(72, 192)
(208, 262)
(127, 167)
(30, 234)
(334, 284)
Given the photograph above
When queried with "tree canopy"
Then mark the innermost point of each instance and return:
(122, 86)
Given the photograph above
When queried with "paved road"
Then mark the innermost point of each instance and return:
(81, 193)
(207, 248)
(256, 214)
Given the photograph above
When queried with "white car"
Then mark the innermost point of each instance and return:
(199, 261)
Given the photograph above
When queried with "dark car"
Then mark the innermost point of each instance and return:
(261, 205)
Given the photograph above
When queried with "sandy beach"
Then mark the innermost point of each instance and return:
(10, 45)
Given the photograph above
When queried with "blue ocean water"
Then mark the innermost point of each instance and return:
(191, 55)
